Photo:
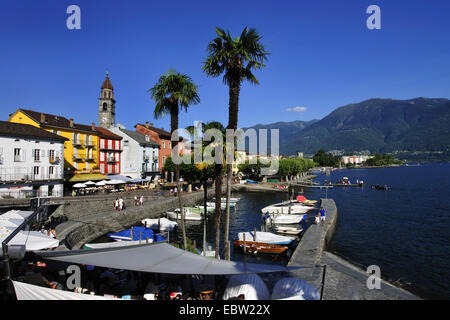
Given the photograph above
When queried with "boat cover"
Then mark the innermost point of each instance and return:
(266, 237)
(159, 257)
(164, 223)
(16, 214)
(10, 223)
(25, 291)
(138, 232)
(33, 240)
(294, 289)
(250, 285)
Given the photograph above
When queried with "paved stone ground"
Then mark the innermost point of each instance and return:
(344, 281)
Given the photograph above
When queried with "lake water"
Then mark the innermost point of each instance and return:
(405, 230)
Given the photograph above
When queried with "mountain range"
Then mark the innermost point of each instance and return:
(419, 125)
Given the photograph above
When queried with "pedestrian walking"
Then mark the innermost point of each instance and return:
(116, 204)
(120, 204)
(135, 201)
(322, 215)
(317, 219)
(141, 201)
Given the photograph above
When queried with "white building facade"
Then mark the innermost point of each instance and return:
(139, 158)
(354, 159)
(31, 162)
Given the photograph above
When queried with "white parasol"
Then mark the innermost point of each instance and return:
(114, 181)
(79, 185)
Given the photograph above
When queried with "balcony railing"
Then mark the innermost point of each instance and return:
(149, 168)
(77, 144)
(54, 160)
(16, 177)
(104, 148)
(26, 194)
(111, 159)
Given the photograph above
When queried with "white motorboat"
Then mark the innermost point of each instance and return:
(281, 229)
(287, 207)
(223, 205)
(161, 224)
(265, 237)
(188, 216)
(285, 218)
(115, 244)
(202, 208)
(232, 200)
(196, 209)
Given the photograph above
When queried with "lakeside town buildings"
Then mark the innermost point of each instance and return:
(78, 152)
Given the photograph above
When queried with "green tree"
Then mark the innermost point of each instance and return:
(326, 159)
(235, 59)
(173, 92)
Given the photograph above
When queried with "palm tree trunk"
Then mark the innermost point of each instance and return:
(180, 204)
(173, 127)
(227, 213)
(205, 196)
(218, 211)
(232, 124)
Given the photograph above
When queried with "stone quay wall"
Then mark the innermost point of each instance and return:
(91, 219)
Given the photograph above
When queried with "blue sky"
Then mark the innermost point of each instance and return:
(322, 56)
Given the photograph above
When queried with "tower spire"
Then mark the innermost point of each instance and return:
(107, 109)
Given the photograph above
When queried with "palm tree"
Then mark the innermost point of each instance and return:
(173, 92)
(218, 176)
(235, 59)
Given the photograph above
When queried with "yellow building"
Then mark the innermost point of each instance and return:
(81, 162)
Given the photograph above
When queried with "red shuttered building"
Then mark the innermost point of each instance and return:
(110, 150)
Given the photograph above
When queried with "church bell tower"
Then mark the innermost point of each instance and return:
(107, 105)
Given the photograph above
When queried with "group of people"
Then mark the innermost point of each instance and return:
(49, 232)
(173, 192)
(119, 204)
(111, 283)
(138, 202)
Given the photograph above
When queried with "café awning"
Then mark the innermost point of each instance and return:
(80, 177)
(158, 258)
